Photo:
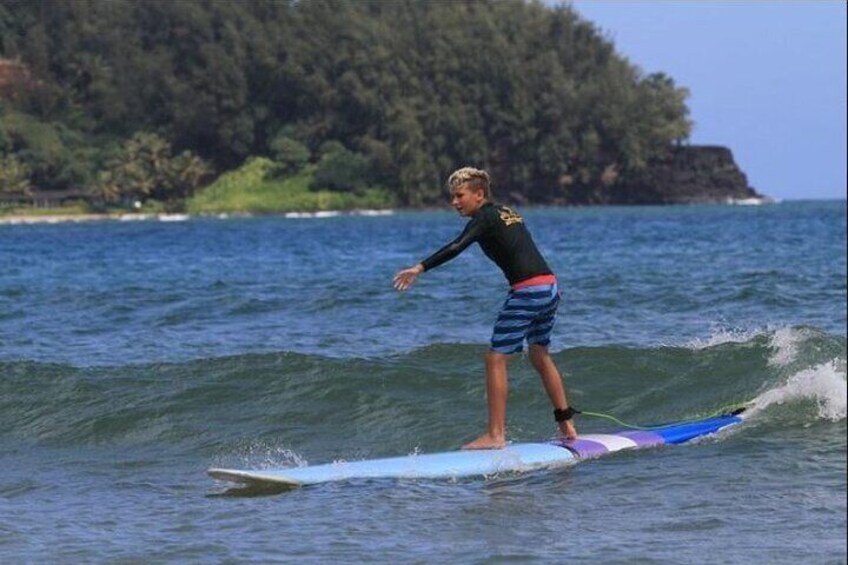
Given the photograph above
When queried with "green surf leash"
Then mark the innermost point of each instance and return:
(726, 410)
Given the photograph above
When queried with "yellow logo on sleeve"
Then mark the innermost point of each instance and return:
(509, 216)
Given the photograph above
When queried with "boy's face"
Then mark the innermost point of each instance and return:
(467, 199)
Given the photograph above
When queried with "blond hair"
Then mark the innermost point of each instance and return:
(477, 178)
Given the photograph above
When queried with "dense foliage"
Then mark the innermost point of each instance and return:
(391, 93)
(254, 187)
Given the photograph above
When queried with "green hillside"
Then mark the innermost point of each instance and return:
(152, 100)
(252, 189)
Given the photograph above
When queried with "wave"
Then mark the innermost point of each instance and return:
(262, 406)
(823, 384)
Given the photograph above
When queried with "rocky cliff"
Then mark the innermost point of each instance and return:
(692, 174)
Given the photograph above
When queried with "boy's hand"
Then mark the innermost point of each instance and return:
(405, 278)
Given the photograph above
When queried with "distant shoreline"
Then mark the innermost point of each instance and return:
(27, 219)
(16, 219)
(33, 219)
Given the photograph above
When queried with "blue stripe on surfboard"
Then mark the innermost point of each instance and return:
(594, 445)
(680, 433)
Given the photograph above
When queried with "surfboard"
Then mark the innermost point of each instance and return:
(515, 458)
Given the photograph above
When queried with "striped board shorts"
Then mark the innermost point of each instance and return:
(528, 314)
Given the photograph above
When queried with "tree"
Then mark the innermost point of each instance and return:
(51, 151)
(145, 168)
(4, 137)
(14, 176)
(289, 154)
(185, 173)
(340, 169)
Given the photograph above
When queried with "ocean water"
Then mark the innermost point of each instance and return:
(135, 355)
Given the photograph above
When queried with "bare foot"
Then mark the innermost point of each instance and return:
(568, 430)
(486, 441)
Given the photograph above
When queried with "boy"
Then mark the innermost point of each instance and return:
(530, 308)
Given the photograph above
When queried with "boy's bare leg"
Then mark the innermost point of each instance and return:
(497, 388)
(552, 380)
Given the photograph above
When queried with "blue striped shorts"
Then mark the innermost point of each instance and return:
(529, 313)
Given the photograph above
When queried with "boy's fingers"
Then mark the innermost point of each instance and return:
(405, 278)
(403, 281)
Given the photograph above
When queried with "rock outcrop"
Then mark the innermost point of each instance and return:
(690, 174)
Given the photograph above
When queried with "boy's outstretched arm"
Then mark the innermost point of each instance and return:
(405, 278)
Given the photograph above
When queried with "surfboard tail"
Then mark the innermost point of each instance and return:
(251, 477)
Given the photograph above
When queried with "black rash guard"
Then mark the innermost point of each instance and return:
(504, 239)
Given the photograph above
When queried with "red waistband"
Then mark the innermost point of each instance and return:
(533, 281)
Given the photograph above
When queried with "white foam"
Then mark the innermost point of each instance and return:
(825, 384)
(173, 217)
(372, 212)
(754, 201)
(785, 343)
(262, 455)
(322, 214)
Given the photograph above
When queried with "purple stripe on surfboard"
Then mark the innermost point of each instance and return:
(643, 438)
(587, 448)
(584, 447)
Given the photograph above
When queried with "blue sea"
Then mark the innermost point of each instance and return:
(136, 355)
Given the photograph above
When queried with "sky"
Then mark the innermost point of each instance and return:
(767, 79)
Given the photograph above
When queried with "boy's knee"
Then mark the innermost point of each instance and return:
(538, 354)
(493, 357)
